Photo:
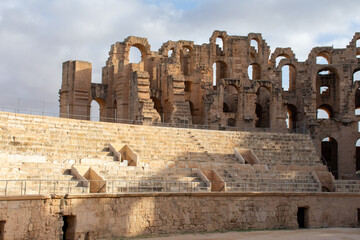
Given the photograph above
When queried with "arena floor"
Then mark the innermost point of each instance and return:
(305, 234)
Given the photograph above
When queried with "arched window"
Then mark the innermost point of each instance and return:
(134, 55)
(324, 112)
(262, 109)
(356, 76)
(329, 153)
(230, 99)
(358, 43)
(254, 43)
(219, 46)
(357, 102)
(254, 71)
(94, 111)
(291, 117)
(285, 77)
(321, 60)
(357, 145)
(185, 59)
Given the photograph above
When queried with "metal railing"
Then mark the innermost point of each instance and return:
(50, 186)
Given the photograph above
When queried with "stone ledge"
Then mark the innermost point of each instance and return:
(207, 194)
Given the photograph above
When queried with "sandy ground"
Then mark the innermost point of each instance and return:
(306, 234)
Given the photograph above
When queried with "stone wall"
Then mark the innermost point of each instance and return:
(106, 216)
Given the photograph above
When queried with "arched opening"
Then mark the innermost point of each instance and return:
(219, 46)
(115, 110)
(231, 122)
(357, 145)
(185, 59)
(254, 44)
(158, 107)
(195, 116)
(230, 99)
(254, 71)
(135, 55)
(94, 111)
(357, 43)
(278, 60)
(321, 60)
(171, 53)
(291, 117)
(324, 112)
(219, 72)
(262, 109)
(288, 75)
(357, 101)
(329, 152)
(356, 76)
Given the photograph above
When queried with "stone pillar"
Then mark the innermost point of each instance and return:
(75, 92)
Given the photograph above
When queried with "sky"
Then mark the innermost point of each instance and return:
(37, 36)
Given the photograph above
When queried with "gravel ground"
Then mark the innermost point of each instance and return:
(304, 234)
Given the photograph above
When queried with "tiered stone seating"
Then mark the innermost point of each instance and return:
(248, 179)
(37, 178)
(347, 185)
(63, 142)
(142, 179)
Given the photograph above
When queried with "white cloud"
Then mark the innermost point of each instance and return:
(37, 36)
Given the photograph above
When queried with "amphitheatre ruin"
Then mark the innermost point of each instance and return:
(220, 136)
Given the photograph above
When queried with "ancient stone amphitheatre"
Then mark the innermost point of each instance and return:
(192, 138)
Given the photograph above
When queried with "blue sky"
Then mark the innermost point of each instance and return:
(36, 36)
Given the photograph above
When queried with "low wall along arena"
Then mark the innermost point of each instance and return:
(106, 216)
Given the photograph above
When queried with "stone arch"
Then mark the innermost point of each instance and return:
(292, 117)
(356, 75)
(186, 53)
(230, 99)
(288, 77)
(138, 42)
(262, 108)
(321, 110)
(214, 40)
(357, 101)
(254, 71)
(329, 152)
(135, 55)
(324, 57)
(254, 45)
(281, 52)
